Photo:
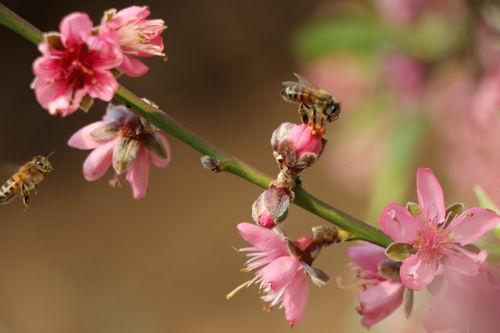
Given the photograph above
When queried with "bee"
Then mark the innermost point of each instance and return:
(315, 105)
(26, 179)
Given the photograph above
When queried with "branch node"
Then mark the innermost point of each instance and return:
(210, 163)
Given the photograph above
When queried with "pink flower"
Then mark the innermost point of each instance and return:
(382, 293)
(283, 268)
(137, 36)
(297, 146)
(470, 304)
(125, 141)
(74, 64)
(436, 240)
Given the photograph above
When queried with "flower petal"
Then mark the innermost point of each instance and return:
(132, 13)
(82, 138)
(75, 28)
(138, 175)
(416, 273)
(379, 300)
(472, 224)
(367, 256)
(98, 161)
(464, 262)
(295, 298)
(103, 85)
(438, 321)
(104, 52)
(280, 271)
(47, 68)
(133, 67)
(397, 222)
(262, 239)
(430, 195)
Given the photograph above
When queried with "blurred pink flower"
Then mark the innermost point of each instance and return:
(406, 76)
(403, 11)
(123, 140)
(436, 242)
(345, 76)
(382, 294)
(470, 304)
(473, 128)
(138, 37)
(73, 64)
(283, 266)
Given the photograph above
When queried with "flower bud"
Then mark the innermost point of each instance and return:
(271, 207)
(297, 146)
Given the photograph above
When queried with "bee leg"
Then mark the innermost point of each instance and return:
(303, 113)
(25, 195)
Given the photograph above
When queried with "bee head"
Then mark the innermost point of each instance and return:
(333, 111)
(42, 163)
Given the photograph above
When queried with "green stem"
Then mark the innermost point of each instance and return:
(357, 229)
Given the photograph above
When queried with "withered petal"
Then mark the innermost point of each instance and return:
(154, 144)
(124, 154)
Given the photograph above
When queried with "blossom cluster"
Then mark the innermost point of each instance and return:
(81, 62)
(433, 249)
(284, 265)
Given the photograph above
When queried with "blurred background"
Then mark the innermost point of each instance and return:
(420, 86)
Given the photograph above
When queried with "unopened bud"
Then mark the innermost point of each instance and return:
(271, 207)
(297, 146)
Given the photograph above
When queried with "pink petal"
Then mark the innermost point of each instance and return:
(464, 262)
(75, 29)
(105, 52)
(472, 224)
(262, 239)
(75, 101)
(158, 161)
(132, 13)
(47, 67)
(430, 195)
(436, 320)
(138, 174)
(417, 273)
(295, 298)
(367, 256)
(98, 161)
(104, 85)
(397, 222)
(133, 67)
(380, 300)
(280, 271)
(82, 138)
(56, 96)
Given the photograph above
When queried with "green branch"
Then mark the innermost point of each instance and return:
(356, 228)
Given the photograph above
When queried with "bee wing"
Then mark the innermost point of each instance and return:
(305, 81)
(7, 170)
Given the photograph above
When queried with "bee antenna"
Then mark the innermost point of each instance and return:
(50, 154)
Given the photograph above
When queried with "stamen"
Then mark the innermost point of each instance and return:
(238, 288)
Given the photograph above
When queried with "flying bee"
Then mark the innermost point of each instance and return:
(26, 179)
(315, 104)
